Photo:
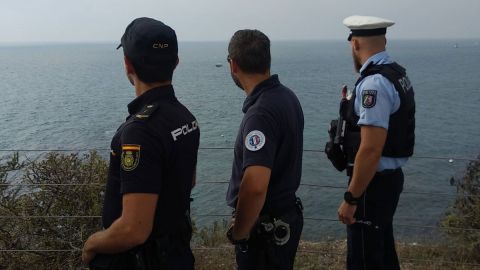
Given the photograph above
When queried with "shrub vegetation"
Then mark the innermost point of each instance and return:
(48, 207)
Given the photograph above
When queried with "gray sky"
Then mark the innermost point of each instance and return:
(204, 20)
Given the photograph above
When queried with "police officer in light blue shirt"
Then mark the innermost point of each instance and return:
(387, 102)
(379, 137)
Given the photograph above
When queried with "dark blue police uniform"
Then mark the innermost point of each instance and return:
(271, 135)
(155, 151)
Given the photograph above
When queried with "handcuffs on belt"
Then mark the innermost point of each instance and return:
(275, 230)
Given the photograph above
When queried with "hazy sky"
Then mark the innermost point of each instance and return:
(203, 20)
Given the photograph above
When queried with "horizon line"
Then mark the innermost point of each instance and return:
(22, 43)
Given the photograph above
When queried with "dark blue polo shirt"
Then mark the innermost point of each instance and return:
(154, 151)
(270, 135)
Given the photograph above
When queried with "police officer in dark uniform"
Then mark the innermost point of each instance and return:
(267, 166)
(152, 163)
(378, 138)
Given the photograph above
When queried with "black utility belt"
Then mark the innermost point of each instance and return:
(381, 173)
(276, 228)
(389, 171)
(284, 207)
(150, 255)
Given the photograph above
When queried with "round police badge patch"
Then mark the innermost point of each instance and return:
(255, 140)
(130, 156)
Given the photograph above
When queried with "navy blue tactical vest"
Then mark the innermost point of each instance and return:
(401, 128)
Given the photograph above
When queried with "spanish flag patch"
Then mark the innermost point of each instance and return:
(130, 156)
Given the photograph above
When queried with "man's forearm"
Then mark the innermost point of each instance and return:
(117, 238)
(249, 205)
(366, 164)
(251, 198)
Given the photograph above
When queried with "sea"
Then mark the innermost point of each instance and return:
(74, 96)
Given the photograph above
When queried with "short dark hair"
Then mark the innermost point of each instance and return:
(155, 73)
(251, 51)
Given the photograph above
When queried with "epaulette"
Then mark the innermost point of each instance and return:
(146, 111)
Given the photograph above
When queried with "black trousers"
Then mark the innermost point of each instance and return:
(263, 254)
(181, 261)
(370, 241)
(176, 261)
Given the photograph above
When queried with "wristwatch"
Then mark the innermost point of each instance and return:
(241, 243)
(233, 241)
(348, 197)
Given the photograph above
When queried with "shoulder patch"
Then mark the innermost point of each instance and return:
(369, 98)
(130, 156)
(146, 112)
(255, 140)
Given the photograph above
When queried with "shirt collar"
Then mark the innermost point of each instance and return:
(258, 90)
(377, 59)
(149, 97)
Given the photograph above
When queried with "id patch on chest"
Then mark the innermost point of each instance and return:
(130, 156)
(369, 98)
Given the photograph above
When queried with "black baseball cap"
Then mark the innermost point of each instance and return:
(148, 42)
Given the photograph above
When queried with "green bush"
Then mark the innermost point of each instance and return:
(462, 223)
(57, 202)
(62, 195)
(9, 206)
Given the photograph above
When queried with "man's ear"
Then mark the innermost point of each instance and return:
(355, 44)
(129, 69)
(176, 63)
(233, 66)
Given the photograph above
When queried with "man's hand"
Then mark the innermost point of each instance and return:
(346, 212)
(87, 254)
(229, 233)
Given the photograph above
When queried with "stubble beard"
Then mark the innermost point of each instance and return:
(356, 62)
(236, 81)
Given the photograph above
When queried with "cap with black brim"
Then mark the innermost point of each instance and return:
(364, 26)
(366, 33)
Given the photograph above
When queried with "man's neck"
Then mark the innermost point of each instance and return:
(141, 87)
(250, 81)
(369, 54)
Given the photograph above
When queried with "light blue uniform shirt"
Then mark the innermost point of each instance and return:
(385, 103)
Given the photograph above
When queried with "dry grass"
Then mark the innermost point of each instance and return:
(331, 255)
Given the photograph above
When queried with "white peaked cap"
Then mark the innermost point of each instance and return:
(366, 22)
(367, 25)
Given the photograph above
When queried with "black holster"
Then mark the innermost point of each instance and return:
(333, 150)
(151, 255)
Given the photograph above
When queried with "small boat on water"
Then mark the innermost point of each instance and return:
(218, 65)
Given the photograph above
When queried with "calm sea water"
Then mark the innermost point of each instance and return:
(75, 96)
